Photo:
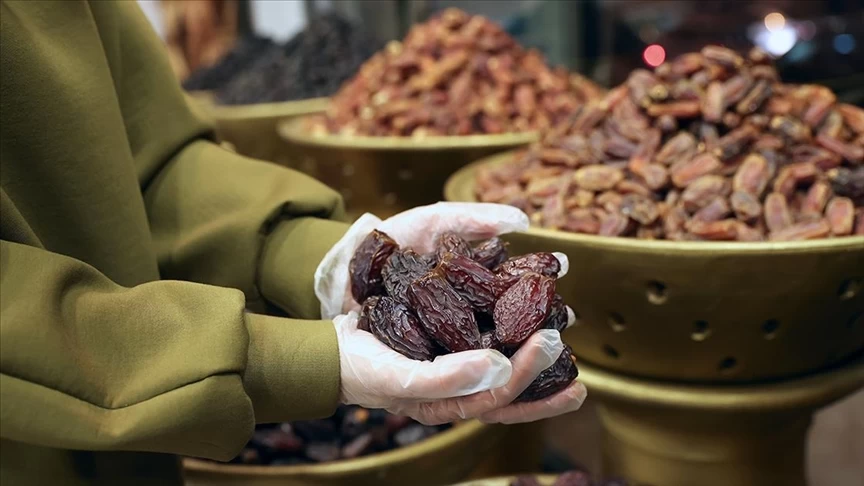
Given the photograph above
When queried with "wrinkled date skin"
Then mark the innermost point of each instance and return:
(394, 325)
(557, 316)
(543, 263)
(523, 308)
(404, 267)
(474, 282)
(453, 243)
(368, 262)
(553, 379)
(447, 317)
(491, 252)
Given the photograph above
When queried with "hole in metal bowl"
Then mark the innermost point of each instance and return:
(348, 170)
(701, 331)
(390, 198)
(656, 293)
(616, 322)
(770, 328)
(405, 174)
(849, 288)
(611, 352)
(855, 320)
(727, 365)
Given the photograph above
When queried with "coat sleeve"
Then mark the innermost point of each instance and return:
(167, 366)
(216, 217)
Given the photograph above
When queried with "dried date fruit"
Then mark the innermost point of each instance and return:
(394, 325)
(848, 183)
(365, 309)
(803, 231)
(446, 316)
(685, 172)
(840, 214)
(368, 262)
(402, 268)
(745, 205)
(553, 379)
(543, 263)
(557, 316)
(474, 282)
(491, 252)
(453, 243)
(777, 215)
(523, 308)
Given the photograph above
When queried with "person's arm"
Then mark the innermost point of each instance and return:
(216, 217)
(167, 366)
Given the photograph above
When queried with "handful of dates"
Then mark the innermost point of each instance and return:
(460, 298)
(351, 432)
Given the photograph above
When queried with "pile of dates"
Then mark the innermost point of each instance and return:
(460, 298)
(569, 478)
(351, 432)
(456, 74)
(314, 63)
(709, 146)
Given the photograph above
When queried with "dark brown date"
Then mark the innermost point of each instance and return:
(404, 267)
(368, 262)
(363, 319)
(491, 252)
(453, 243)
(557, 316)
(474, 282)
(394, 325)
(553, 379)
(446, 316)
(523, 308)
(543, 263)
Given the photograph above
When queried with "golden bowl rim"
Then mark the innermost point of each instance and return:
(279, 109)
(724, 248)
(542, 477)
(293, 131)
(814, 389)
(440, 441)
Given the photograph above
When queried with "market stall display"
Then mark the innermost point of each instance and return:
(710, 146)
(455, 74)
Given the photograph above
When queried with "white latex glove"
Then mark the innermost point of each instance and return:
(418, 229)
(470, 384)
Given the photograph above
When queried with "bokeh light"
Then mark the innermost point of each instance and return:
(775, 21)
(654, 55)
(844, 43)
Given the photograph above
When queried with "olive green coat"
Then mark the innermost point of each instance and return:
(131, 247)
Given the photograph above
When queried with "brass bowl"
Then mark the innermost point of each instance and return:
(703, 311)
(251, 129)
(386, 175)
(444, 458)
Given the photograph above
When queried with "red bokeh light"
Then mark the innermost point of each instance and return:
(654, 55)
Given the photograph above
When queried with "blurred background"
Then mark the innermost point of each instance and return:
(815, 41)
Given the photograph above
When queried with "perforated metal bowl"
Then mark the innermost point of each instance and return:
(703, 311)
(386, 175)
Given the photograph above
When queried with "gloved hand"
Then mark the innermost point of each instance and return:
(418, 229)
(470, 384)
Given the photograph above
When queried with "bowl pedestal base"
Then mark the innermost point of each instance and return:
(683, 435)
